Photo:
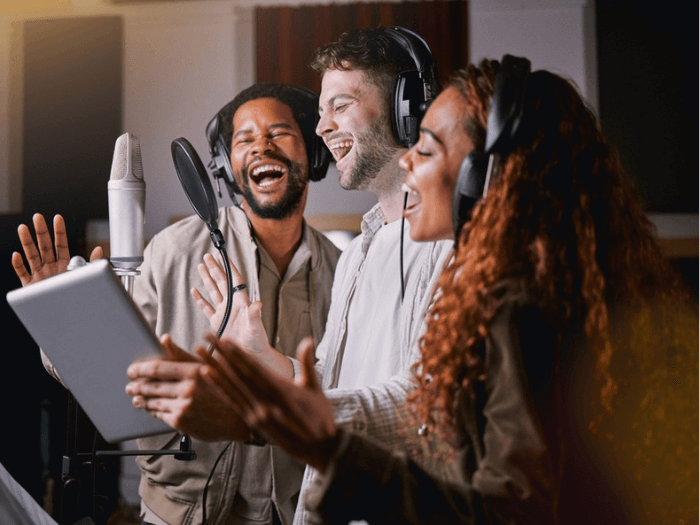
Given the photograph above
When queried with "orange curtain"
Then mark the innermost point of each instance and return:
(286, 37)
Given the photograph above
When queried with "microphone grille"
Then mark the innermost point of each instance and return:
(127, 156)
(136, 163)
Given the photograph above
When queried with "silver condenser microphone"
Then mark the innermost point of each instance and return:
(127, 200)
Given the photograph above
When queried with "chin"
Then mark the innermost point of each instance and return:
(427, 234)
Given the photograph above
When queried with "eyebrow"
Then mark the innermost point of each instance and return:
(269, 128)
(433, 135)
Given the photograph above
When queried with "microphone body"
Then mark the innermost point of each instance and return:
(127, 200)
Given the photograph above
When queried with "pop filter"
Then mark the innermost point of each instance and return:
(195, 181)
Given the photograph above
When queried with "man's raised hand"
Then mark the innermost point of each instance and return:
(245, 326)
(45, 260)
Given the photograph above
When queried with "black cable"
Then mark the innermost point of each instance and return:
(403, 220)
(224, 321)
(206, 485)
(219, 243)
(229, 290)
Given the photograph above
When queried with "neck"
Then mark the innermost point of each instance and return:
(279, 237)
(387, 187)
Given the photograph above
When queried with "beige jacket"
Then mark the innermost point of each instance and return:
(172, 488)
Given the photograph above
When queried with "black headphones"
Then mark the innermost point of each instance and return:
(505, 114)
(220, 165)
(413, 90)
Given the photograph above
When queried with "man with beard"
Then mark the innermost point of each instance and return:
(376, 315)
(268, 129)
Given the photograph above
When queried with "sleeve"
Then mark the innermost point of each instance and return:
(513, 480)
(48, 366)
(378, 411)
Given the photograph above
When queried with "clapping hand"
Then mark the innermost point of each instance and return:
(173, 389)
(294, 415)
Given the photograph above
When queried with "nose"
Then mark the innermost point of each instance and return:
(325, 125)
(406, 161)
(262, 146)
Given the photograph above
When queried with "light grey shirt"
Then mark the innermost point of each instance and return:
(367, 298)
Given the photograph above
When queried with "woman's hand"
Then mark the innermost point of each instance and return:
(294, 415)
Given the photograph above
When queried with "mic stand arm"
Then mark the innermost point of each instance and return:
(184, 453)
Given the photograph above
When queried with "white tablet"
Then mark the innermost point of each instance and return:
(91, 330)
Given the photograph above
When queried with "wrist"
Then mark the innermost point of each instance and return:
(328, 450)
(254, 438)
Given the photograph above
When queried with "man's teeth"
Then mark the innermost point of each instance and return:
(267, 167)
(340, 149)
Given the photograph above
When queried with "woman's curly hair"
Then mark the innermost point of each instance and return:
(562, 216)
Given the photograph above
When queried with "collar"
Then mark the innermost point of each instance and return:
(371, 222)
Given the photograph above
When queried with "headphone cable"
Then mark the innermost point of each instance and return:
(206, 485)
(403, 221)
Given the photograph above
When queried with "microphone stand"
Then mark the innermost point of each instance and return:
(127, 277)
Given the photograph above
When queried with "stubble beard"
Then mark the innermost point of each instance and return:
(375, 147)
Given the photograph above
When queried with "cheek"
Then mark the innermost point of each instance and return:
(237, 161)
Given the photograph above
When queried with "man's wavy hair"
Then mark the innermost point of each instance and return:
(369, 50)
(562, 216)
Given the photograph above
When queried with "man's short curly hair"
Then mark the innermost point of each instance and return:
(381, 57)
(303, 103)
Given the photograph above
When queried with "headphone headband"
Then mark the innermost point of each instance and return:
(413, 90)
(505, 114)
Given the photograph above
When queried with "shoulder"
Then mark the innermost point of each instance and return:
(177, 235)
(521, 328)
(513, 301)
(352, 252)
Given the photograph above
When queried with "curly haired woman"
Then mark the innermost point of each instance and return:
(560, 355)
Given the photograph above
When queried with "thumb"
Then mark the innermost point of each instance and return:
(97, 253)
(306, 356)
(255, 313)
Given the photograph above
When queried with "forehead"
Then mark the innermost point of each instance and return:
(263, 112)
(353, 82)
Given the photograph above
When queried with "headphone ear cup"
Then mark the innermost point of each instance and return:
(469, 188)
(320, 159)
(224, 170)
(220, 164)
(407, 107)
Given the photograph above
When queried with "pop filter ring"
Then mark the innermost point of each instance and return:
(195, 181)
